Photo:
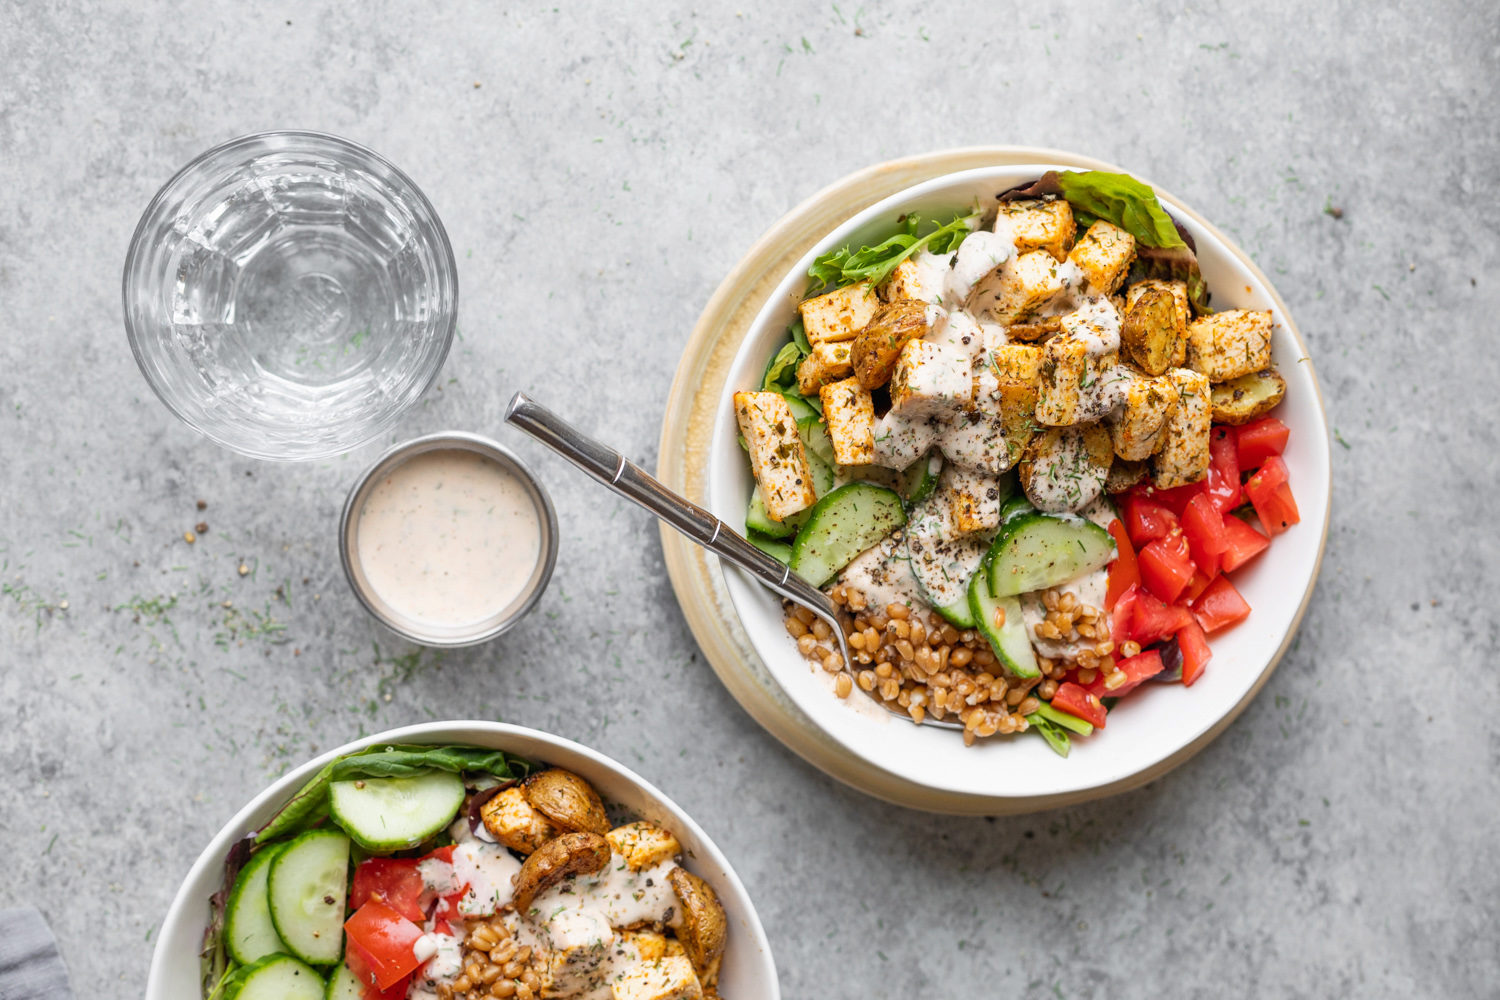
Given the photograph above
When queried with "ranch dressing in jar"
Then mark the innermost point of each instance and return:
(448, 537)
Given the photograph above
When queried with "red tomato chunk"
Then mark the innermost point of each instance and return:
(1260, 440)
(1220, 606)
(386, 939)
(1079, 702)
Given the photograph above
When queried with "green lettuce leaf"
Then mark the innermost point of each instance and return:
(841, 267)
(1121, 200)
(781, 370)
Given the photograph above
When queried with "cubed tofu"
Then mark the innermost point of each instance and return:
(974, 438)
(1065, 467)
(976, 273)
(1229, 344)
(1077, 367)
(1154, 334)
(515, 823)
(839, 314)
(1017, 364)
(1184, 455)
(1038, 225)
(849, 412)
(976, 499)
(901, 440)
(930, 379)
(1104, 255)
(669, 978)
(1138, 427)
(580, 951)
(1027, 284)
(640, 946)
(643, 844)
(826, 363)
(777, 458)
(919, 278)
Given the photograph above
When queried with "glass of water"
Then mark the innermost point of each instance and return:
(289, 294)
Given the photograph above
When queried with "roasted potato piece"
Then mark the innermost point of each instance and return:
(1123, 475)
(1229, 344)
(668, 978)
(643, 844)
(1154, 334)
(568, 854)
(827, 363)
(567, 800)
(515, 823)
(879, 344)
(1241, 400)
(1065, 467)
(1018, 417)
(704, 928)
(839, 314)
(1036, 329)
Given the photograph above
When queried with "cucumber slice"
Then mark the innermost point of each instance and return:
(815, 440)
(344, 985)
(802, 407)
(392, 814)
(248, 931)
(1014, 508)
(276, 977)
(1082, 727)
(757, 518)
(843, 524)
(959, 613)
(1037, 551)
(920, 478)
(773, 547)
(822, 475)
(307, 889)
(1009, 639)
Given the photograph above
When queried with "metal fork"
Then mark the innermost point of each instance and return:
(635, 484)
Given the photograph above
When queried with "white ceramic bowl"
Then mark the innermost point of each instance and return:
(748, 970)
(1151, 728)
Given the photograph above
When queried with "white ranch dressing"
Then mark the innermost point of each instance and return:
(448, 537)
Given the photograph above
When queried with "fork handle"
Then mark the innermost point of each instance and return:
(635, 484)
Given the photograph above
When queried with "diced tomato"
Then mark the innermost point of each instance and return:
(1120, 628)
(1223, 487)
(1245, 543)
(1137, 670)
(386, 939)
(1151, 620)
(1195, 652)
(1123, 572)
(1174, 499)
(1166, 566)
(1146, 520)
(1197, 585)
(1077, 701)
(363, 968)
(1271, 495)
(1220, 606)
(1258, 441)
(1203, 526)
(396, 881)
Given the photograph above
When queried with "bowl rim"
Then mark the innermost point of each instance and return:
(135, 252)
(737, 584)
(213, 854)
(399, 454)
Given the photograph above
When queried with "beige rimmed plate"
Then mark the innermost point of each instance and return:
(716, 352)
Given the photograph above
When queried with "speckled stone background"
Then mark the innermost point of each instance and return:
(599, 167)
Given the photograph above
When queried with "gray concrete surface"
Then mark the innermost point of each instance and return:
(600, 166)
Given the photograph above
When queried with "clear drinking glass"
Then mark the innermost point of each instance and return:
(289, 294)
